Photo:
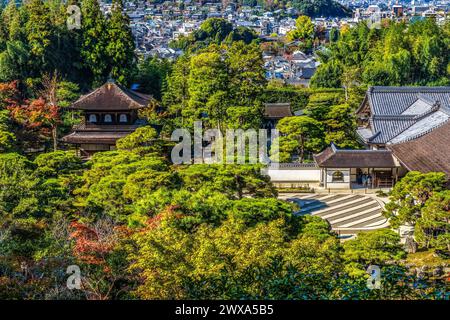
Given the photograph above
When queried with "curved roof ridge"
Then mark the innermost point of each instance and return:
(112, 96)
(421, 134)
(426, 99)
(394, 116)
(409, 89)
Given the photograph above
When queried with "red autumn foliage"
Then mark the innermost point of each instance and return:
(36, 114)
(9, 94)
(37, 118)
(155, 221)
(92, 245)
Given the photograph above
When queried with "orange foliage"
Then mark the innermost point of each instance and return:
(9, 94)
(90, 247)
(36, 114)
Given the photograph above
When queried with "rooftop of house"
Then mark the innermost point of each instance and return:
(398, 114)
(107, 137)
(277, 110)
(112, 96)
(431, 152)
(332, 157)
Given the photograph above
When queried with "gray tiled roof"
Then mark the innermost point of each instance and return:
(333, 157)
(388, 128)
(396, 109)
(395, 100)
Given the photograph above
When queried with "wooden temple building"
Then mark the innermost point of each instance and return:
(109, 113)
(273, 112)
(402, 128)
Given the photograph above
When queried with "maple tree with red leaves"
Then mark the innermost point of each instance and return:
(91, 243)
(9, 94)
(38, 118)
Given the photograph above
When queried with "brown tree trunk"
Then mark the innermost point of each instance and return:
(55, 138)
(302, 149)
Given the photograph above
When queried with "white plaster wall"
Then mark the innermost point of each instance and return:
(341, 185)
(338, 185)
(306, 175)
(345, 172)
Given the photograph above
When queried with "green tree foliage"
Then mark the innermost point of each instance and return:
(176, 96)
(151, 75)
(120, 46)
(410, 194)
(397, 54)
(340, 127)
(374, 247)
(328, 75)
(214, 31)
(95, 40)
(421, 200)
(35, 40)
(299, 136)
(247, 77)
(195, 263)
(140, 228)
(319, 8)
(432, 228)
(304, 30)
(207, 77)
(38, 29)
(220, 85)
(7, 138)
(34, 195)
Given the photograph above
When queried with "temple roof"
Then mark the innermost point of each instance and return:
(430, 152)
(111, 97)
(333, 157)
(277, 110)
(399, 114)
(107, 137)
(396, 100)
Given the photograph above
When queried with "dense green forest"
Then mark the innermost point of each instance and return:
(397, 54)
(140, 227)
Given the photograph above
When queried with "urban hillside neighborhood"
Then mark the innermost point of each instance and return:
(225, 150)
(156, 25)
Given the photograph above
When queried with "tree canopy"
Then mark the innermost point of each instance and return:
(398, 53)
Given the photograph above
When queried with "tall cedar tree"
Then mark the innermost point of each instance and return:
(120, 46)
(95, 37)
(39, 30)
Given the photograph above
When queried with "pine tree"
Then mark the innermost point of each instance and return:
(120, 44)
(12, 20)
(39, 31)
(94, 40)
(66, 43)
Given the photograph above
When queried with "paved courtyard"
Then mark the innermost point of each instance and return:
(346, 213)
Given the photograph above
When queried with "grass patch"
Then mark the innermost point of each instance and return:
(426, 257)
